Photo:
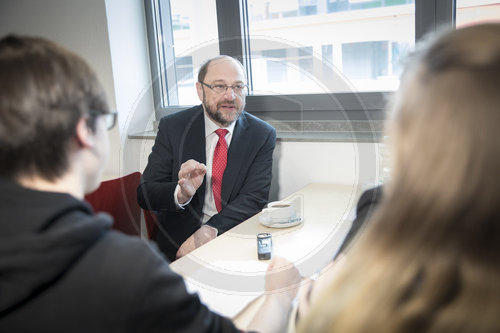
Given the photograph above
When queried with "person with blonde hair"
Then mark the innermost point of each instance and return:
(429, 259)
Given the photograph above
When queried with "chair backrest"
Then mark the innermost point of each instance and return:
(151, 221)
(118, 197)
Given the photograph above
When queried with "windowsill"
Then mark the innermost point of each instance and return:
(357, 137)
(143, 135)
(313, 131)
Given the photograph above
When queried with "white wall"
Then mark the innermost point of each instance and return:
(111, 36)
(80, 26)
(132, 78)
(297, 164)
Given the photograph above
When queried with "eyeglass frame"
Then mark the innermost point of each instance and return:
(212, 87)
(110, 122)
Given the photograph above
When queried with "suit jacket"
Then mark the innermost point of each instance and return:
(364, 209)
(245, 184)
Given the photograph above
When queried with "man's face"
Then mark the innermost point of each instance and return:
(223, 108)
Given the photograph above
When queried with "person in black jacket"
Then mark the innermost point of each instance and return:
(61, 267)
(364, 209)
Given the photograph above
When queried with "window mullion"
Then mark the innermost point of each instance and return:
(245, 35)
(431, 15)
(168, 72)
(232, 23)
(445, 13)
(229, 28)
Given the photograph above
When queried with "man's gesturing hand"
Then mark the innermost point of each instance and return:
(190, 179)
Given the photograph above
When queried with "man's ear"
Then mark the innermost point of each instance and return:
(84, 135)
(199, 90)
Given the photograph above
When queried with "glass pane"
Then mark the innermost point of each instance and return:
(322, 46)
(477, 11)
(194, 26)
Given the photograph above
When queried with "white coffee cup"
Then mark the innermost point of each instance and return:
(281, 211)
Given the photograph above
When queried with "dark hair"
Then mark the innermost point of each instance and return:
(44, 91)
(204, 67)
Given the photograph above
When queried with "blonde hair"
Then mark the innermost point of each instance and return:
(428, 261)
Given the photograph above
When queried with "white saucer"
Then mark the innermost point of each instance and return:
(266, 221)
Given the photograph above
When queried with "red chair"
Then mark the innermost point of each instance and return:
(118, 197)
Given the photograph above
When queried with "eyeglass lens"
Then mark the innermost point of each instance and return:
(110, 119)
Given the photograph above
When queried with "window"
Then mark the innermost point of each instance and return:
(344, 5)
(283, 67)
(331, 58)
(477, 11)
(365, 60)
(368, 39)
(186, 34)
(308, 7)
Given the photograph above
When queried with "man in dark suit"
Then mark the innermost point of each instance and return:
(210, 166)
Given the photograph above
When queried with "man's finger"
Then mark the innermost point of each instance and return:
(191, 169)
(185, 171)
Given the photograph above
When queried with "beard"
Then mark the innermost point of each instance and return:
(216, 114)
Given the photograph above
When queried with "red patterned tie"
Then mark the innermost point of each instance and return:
(218, 166)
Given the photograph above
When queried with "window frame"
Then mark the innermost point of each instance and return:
(233, 29)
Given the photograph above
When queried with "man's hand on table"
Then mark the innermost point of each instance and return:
(200, 237)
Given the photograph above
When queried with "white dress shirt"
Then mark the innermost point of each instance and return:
(211, 139)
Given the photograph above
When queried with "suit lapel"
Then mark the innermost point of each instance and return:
(238, 148)
(192, 143)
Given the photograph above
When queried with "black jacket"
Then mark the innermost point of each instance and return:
(367, 204)
(63, 270)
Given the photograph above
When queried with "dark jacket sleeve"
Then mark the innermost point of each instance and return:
(254, 193)
(364, 209)
(156, 191)
(162, 303)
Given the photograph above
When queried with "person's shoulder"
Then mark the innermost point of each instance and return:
(255, 122)
(370, 196)
(127, 251)
(182, 116)
(368, 201)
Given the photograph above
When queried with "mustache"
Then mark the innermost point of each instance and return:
(231, 103)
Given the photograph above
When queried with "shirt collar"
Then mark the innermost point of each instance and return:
(211, 127)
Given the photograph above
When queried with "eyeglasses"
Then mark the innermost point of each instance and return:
(222, 88)
(109, 118)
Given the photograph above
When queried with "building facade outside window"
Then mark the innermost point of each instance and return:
(301, 46)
